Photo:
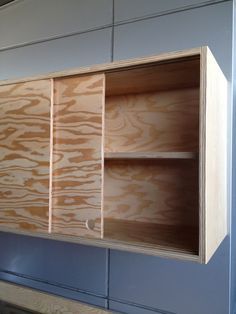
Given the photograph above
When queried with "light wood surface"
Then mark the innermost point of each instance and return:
(43, 303)
(177, 74)
(177, 238)
(162, 191)
(151, 155)
(154, 122)
(77, 155)
(24, 152)
(213, 157)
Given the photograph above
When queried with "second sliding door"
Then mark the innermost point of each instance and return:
(77, 162)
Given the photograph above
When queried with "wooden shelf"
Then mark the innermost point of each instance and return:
(150, 155)
(172, 237)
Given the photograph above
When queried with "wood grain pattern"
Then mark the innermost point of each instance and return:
(42, 302)
(24, 162)
(164, 121)
(162, 192)
(213, 156)
(77, 155)
(168, 237)
(177, 74)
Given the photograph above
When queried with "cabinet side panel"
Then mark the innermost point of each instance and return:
(77, 156)
(215, 157)
(24, 157)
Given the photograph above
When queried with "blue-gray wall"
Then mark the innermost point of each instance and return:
(39, 36)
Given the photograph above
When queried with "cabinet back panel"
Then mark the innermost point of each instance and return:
(157, 121)
(174, 74)
(25, 147)
(77, 155)
(162, 191)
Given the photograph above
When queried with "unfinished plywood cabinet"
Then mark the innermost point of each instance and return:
(132, 155)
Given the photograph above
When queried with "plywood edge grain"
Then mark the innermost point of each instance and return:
(213, 156)
(51, 160)
(102, 155)
(41, 302)
(202, 148)
(216, 150)
(143, 249)
(106, 67)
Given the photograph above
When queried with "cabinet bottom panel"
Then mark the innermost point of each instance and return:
(177, 238)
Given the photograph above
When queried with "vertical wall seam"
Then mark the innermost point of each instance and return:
(112, 30)
(108, 277)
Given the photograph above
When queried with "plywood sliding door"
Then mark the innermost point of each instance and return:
(24, 151)
(77, 162)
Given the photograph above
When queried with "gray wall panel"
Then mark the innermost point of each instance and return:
(178, 287)
(132, 309)
(56, 55)
(30, 20)
(131, 9)
(183, 30)
(54, 289)
(55, 262)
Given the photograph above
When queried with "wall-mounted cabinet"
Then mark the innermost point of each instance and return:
(128, 155)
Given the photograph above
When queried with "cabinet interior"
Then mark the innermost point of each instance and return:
(151, 151)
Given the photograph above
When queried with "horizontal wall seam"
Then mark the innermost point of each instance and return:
(114, 24)
(50, 283)
(81, 291)
(140, 306)
(47, 39)
(10, 4)
(171, 11)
